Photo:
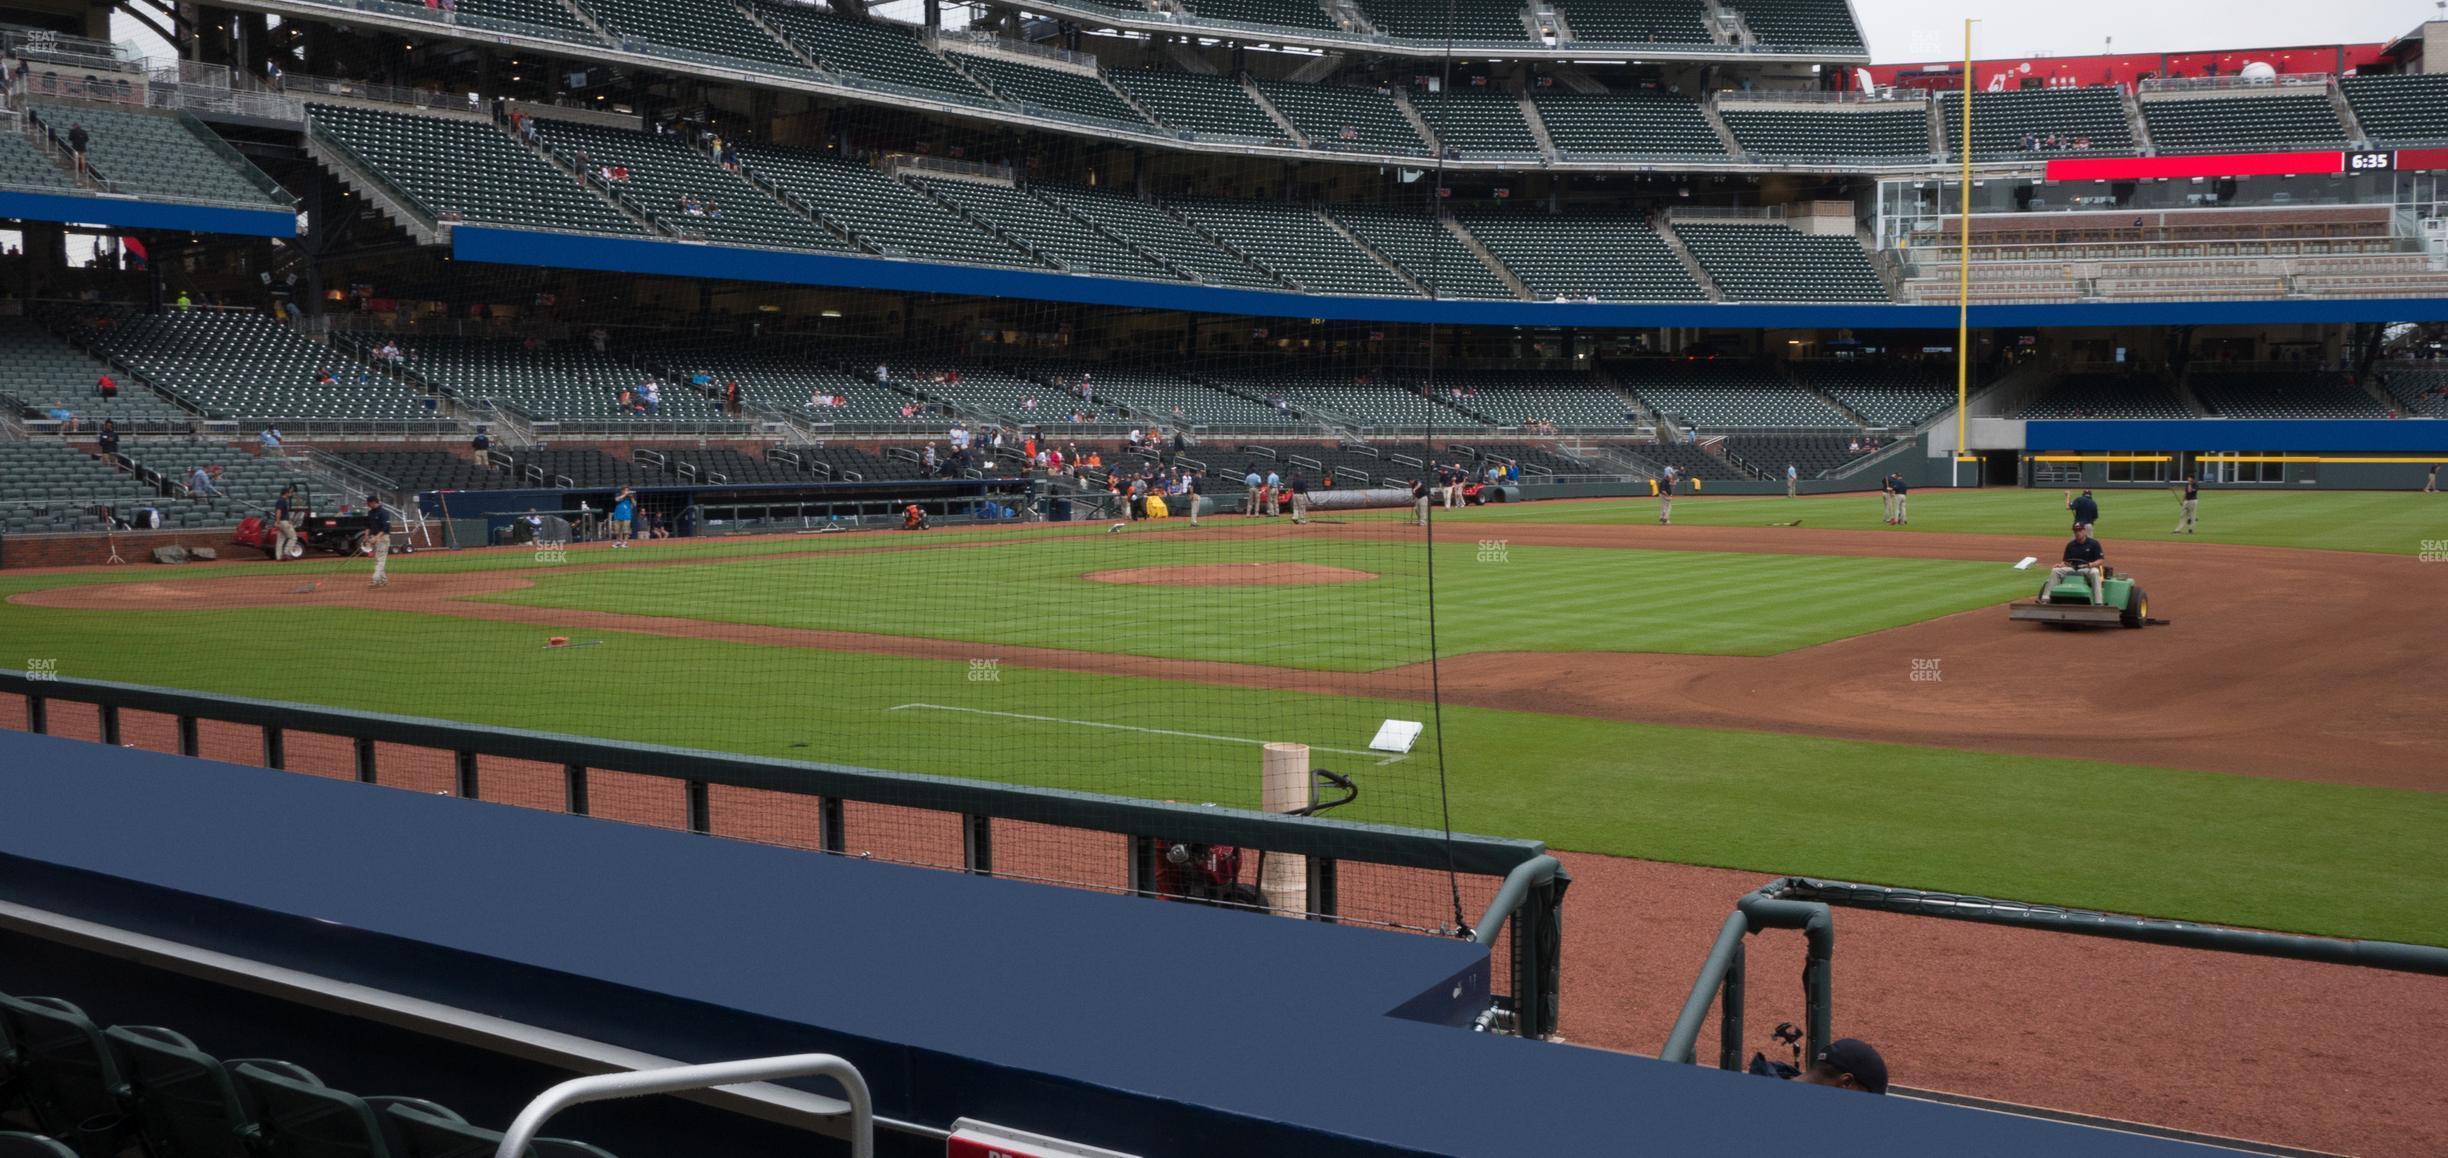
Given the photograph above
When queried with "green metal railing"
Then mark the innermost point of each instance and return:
(1528, 904)
(1807, 904)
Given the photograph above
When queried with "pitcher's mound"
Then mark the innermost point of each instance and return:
(1233, 575)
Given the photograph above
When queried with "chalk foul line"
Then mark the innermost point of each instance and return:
(1382, 758)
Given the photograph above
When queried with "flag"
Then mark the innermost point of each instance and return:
(137, 256)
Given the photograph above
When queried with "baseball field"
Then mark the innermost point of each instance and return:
(1838, 698)
(1769, 686)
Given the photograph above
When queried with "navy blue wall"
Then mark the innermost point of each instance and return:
(128, 214)
(2408, 436)
(680, 259)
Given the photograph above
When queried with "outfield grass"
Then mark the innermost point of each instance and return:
(2261, 852)
(1032, 592)
(2384, 522)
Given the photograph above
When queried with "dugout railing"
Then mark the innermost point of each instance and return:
(1809, 905)
(1521, 923)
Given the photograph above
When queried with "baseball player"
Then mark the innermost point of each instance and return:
(1903, 491)
(1793, 480)
(1419, 500)
(1192, 484)
(2192, 498)
(1887, 499)
(1666, 485)
(1300, 498)
(378, 538)
(2431, 480)
(1450, 478)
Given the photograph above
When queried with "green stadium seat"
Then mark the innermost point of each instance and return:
(1844, 133)
(1294, 242)
(311, 1120)
(2260, 122)
(1768, 262)
(164, 155)
(185, 1098)
(1345, 120)
(427, 1135)
(1203, 106)
(2400, 111)
(708, 30)
(72, 1080)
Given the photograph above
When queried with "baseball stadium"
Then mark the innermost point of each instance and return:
(1178, 578)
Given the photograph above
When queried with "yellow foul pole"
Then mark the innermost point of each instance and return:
(1963, 295)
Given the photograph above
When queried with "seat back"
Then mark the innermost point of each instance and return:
(185, 1100)
(307, 1121)
(71, 1079)
(32, 1146)
(424, 1135)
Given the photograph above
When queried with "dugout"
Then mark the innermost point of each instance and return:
(692, 509)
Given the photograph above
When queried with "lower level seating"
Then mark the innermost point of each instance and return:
(1812, 455)
(2283, 394)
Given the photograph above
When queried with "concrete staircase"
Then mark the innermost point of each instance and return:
(1691, 264)
(1486, 258)
(1725, 134)
(1419, 124)
(1274, 114)
(1538, 127)
(2346, 114)
(749, 11)
(376, 191)
(2135, 121)
(1390, 266)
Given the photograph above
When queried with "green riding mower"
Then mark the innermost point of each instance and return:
(2068, 603)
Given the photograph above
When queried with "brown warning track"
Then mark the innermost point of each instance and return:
(2310, 665)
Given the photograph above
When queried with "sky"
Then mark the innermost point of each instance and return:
(1910, 31)
(1904, 31)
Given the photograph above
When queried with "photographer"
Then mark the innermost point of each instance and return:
(1847, 1063)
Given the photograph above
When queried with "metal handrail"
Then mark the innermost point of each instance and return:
(637, 1083)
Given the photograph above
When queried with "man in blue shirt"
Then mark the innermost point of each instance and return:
(1902, 491)
(2085, 508)
(2085, 557)
(378, 538)
(1249, 487)
(624, 509)
(1274, 494)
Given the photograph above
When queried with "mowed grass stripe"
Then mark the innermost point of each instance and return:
(2385, 522)
(2265, 853)
(1538, 599)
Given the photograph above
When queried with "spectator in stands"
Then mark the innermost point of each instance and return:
(107, 439)
(1848, 1064)
(274, 78)
(481, 443)
(66, 418)
(200, 484)
(78, 138)
(652, 396)
(183, 304)
(927, 459)
(268, 439)
(883, 374)
(731, 397)
(108, 385)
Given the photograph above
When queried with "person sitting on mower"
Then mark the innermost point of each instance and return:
(2083, 556)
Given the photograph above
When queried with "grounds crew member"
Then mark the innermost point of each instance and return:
(1194, 483)
(378, 537)
(1274, 494)
(1419, 499)
(2085, 557)
(2192, 496)
(284, 524)
(1793, 480)
(1666, 485)
(2085, 508)
(1249, 491)
(1300, 498)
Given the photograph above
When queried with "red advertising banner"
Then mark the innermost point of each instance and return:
(2210, 165)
